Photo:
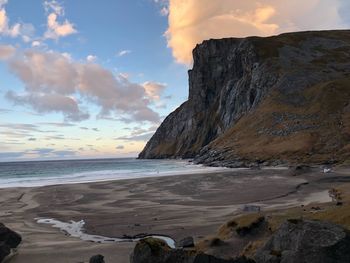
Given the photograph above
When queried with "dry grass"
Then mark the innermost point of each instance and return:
(326, 212)
(239, 225)
(328, 139)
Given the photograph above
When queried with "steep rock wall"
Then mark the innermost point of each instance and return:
(255, 92)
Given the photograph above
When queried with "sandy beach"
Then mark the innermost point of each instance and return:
(176, 206)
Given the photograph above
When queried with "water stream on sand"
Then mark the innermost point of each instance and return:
(76, 229)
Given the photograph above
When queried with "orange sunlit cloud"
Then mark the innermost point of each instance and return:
(192, 21)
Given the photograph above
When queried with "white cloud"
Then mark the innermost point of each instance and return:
(123, 53)
(67, 55)
(18, 29)
(5, 28)
(56, 29)
(192, 21)
(164, 11)
(55, 83)
(91, 58)
(164, 7)
(36, 43)
(53, 6)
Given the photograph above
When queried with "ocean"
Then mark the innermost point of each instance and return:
(41, 173)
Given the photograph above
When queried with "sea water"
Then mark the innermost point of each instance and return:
(41, 173)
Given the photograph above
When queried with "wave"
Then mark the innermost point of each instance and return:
(107, 175)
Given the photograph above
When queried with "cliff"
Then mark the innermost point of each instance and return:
(263, 100)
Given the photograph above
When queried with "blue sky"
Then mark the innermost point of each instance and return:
(123, 37)
(86, 79)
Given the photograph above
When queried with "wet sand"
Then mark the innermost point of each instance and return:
(176, 206)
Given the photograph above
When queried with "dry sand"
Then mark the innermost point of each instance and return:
(177, 206)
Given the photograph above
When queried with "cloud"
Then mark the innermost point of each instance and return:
(139, 134)
(164, 6)
(91, 58)
(164, 11)
(21, 127)
(154, 89)
(55, 83)
(66, 153)
(49, 152)
(55, 137)
(4, 111)
(123, 53)
(36, 43)
(120, 147)
(6, 51)
(56, 29)
(192, 21)
(5, 28)
(10, 155)
(18, 29)
(58, 124)
(48, 103)
(53, 6)
(144, 137)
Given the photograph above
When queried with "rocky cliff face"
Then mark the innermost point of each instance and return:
(281, 98)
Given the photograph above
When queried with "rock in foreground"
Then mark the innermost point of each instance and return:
(97, 259)
(152, 250)
(8, 241)
(298, 241)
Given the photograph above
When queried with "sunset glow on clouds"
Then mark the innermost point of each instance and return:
(192, 21)
(83, 79)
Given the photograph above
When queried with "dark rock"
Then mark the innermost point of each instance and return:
(97, 259)
(299, 170)
(251, 208)
(304, 241)
(8, 240)
(153, 250)
(252, 228)
(186, 242)
(204, 258)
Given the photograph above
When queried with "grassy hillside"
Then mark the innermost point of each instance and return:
(317, 130)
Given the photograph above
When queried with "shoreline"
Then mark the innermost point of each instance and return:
(175, 206)
(108, 176)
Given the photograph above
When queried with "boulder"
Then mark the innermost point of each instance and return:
(186, 242)
(97, 259)
(305, 241)
(204, 258)
(251, 208)
(151, 250)
(299, 170)
(8, 241)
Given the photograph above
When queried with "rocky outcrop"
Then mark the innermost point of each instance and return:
(186, 242)
(9, 240)
(298, 241)
(263, 101)
(295, 241)
(97, 259)
(152, 250)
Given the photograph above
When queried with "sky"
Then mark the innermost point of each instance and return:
(94, 79)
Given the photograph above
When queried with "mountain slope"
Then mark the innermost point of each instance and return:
(282, 98)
